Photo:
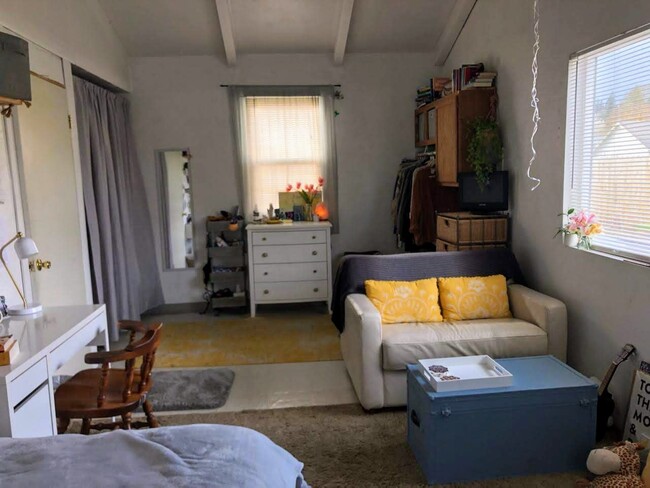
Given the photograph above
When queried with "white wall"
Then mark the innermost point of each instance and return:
(177, 102)
(608, 301)
(76, 30)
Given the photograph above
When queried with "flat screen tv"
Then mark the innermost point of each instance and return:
(493, 197)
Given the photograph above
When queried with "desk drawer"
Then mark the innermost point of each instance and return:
(299, 290)
(33, 417)
(268, 273)
(302, 253)
(22, 386)
(293, 237)
(61, 355)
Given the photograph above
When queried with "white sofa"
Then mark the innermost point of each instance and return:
(376, 355)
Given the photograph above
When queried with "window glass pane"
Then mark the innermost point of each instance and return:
(608, 142)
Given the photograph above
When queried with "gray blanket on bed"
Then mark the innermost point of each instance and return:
(194, 455)
(354, 270)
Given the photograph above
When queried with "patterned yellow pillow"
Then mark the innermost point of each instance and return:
(405, 301)
(478, 297)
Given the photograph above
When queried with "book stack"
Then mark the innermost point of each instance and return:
(8, 349)
(462, 77)
(424, 96)
(484, 79)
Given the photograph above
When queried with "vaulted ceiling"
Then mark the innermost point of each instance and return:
(233, 27)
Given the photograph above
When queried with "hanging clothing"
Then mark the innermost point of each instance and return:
(124, 269)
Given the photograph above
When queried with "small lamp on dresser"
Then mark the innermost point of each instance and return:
(25, 248)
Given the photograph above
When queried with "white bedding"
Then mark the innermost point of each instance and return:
(195, 455)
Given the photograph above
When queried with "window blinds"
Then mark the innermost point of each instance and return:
(284, 139)
(608, 142)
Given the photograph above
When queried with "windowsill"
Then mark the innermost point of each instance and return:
(633, 261)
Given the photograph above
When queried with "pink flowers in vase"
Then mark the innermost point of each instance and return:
(583, 225)
(308, 193)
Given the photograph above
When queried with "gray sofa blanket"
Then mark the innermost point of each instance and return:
(354, 270)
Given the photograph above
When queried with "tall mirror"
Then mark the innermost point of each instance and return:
(175, 195)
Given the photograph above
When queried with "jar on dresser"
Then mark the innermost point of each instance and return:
(289, 263)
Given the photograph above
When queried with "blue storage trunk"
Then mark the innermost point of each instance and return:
(545, 422)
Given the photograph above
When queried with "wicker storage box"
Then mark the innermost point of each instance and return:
(468, 228)
(443, 246)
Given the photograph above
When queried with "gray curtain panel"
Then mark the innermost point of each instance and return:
(124, 268)
(237, 95)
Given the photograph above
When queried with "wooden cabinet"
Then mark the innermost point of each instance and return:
(453, 114)
(289, 263)
(425, 125)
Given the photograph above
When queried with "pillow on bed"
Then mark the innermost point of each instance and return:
(477, 297)
(405, 301)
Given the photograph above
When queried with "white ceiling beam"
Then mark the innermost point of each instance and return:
(454, 26)
(225, 21)
(343, 31)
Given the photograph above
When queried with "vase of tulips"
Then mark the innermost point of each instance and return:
(308, 193)
(579, 228)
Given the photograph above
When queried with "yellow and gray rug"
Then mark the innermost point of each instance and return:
(227, 341)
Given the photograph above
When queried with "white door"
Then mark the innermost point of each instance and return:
(49, 189)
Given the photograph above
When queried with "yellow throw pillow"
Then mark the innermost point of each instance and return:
(478, 297)
(405, 301)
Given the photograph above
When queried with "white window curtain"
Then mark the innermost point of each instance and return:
(608, 142)
(284, 135)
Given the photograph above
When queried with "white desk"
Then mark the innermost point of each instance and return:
(46, 341)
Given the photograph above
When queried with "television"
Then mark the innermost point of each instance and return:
(493, 197)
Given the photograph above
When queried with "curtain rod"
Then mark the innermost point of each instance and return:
(277, 86)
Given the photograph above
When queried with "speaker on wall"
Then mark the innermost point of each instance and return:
(14, 68)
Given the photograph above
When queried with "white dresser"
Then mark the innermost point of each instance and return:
(289, 263)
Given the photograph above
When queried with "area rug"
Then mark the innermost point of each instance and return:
(190, 389)
(343, 446)
(277, 338)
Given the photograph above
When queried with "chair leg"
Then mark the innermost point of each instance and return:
(62, 425)
(126, 421)
(152, 421)
(85, 426)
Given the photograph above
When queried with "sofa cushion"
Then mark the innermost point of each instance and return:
(406, 343)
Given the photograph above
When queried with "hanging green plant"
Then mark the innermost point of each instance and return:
(485, 149)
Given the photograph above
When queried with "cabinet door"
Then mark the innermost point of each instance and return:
(447, 147)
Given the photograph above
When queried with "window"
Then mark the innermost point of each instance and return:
(608, 142)
(285, 136)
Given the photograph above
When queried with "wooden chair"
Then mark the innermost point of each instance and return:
(112, 392)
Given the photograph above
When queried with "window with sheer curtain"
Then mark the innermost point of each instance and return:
(608, 142)
(285, 135)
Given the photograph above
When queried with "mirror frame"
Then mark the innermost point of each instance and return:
(163, 208)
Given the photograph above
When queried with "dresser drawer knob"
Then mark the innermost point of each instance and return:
(313, 237)
(266, 292)
(315, 290)
(315, 271)
(265, 254)
(263, 238)
(314, 253)
(266, 273)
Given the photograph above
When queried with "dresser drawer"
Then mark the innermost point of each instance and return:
(298, 290)
(32, 416)
(22, 386)
(268, 273)
(301, 253)
(293, 237)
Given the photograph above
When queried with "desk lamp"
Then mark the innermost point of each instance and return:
(25, 248)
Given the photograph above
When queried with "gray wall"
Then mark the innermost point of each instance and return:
(608, 300)
(177, 102)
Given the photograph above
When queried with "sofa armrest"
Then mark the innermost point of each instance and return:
(547, 313)
(361, 349)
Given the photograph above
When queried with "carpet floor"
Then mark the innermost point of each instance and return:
(274, 338)
(343, 446)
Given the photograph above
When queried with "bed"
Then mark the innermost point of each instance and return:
(181, 456)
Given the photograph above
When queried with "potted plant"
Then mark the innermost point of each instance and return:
(485, 148)
(579, 228)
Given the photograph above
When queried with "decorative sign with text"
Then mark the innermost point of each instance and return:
(638, 416)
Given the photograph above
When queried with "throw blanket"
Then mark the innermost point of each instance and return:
(183, 456)
(355, 270)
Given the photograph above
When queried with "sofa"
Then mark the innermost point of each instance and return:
(376, 354)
